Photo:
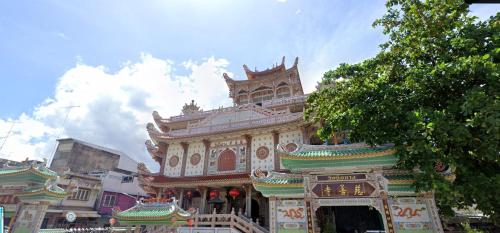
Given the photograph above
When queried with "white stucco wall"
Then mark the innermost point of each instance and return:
(112, 182)
(177, 150)
(267, 141)
(290, 137)
(197, 169)
(227, 117)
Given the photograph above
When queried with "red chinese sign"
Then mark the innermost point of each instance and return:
(342, 190)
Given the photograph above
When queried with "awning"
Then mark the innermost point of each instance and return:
(83, 214)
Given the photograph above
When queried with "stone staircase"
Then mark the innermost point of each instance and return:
(233, 221)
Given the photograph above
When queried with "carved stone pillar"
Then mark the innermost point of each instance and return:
(276, 139)
(248, 139)
(159, 194)
(185, 146)
(162, 150)
(388, 225)
(272, 214)
(206, 142)
(248, 200)
(305, 129)
(203, 203)
(181, 198)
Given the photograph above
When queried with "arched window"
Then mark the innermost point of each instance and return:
(283, 92)
(243, 99)
(261, 94)
(227, 160)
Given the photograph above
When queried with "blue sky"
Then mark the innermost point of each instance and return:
(43, 39)
(50, 49)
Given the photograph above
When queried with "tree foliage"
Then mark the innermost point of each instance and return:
(433, 91)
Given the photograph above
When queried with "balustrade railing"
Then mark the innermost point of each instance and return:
(236, 125)
(227, 220)
(283, 101)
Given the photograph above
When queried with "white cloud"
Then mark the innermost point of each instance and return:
(62, 36)
(114, 107)
(298, 11)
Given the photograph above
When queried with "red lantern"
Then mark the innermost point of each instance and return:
(189, 194)
(190, 222)
(112, 221)
(234, 193)
(213, 194)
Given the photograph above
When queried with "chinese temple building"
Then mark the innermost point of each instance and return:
(26, 191)
(259, 157)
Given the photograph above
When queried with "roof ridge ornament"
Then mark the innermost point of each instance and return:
(189, 109)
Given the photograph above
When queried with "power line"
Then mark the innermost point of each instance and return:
(59, 135)
(8, 134)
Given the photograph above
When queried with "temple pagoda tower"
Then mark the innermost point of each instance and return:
(262, 159)
(206, 156)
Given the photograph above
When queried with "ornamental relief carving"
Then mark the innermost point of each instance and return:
(262, 152)
(290, 147)
(174, 160)
(195, 159)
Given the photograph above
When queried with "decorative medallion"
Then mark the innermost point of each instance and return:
(195, 159)
(262, 152)
(290, 147)
(174, 160)
(70, 216)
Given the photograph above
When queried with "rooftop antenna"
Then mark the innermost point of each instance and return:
(69, 108)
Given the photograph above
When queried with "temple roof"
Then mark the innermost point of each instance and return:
(252, 75)
(36, 173)
(153, 213)
(310, 157)
(46, 193)
(278, 184)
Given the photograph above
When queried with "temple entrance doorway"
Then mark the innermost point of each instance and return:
(349, 219)
(255, 210)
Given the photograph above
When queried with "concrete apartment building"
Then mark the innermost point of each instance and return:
(104, 178)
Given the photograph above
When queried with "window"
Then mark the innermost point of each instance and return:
(262, 94)
(127, 179)
(80, 194)
(283, 92)
(227, 161)
(109, 201)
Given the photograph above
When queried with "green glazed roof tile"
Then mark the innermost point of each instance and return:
(339, 152)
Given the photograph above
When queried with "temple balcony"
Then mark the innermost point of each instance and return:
(230, 126)
(284, 101)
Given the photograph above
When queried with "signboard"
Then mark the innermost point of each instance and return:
(291, 216)
(349, 177)
(343, 189)
(29, 218)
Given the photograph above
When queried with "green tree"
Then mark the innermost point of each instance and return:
(433, 91)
